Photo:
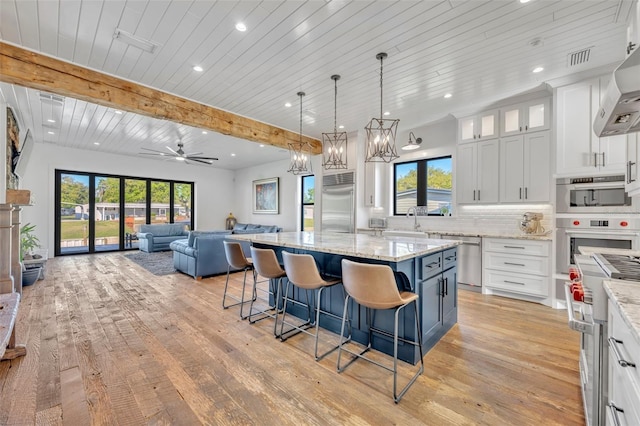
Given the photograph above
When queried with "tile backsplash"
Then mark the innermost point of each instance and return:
(490, 219)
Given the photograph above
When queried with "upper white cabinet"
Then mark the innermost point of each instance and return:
(633, 30)
(525, 117)
(477, 172)
(525, 170)
(579, 150)
(633, 159)
(477, 127)
(372, 185)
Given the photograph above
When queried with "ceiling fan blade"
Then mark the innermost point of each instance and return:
(202, 158)
(172, 150)
(160, 154)
(200, 161)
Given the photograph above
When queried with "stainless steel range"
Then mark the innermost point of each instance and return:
(588, 312)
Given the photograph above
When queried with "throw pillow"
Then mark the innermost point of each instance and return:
(191, 238)
(273, 228)
(253, 226)
(239, 226)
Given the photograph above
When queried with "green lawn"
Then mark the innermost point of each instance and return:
(78, 229)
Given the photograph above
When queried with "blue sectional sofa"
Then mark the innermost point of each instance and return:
(158, 236)
(202, 253)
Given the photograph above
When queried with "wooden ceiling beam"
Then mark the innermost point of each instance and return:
(30, 69)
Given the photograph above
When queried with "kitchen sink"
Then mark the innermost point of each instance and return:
(414, 234)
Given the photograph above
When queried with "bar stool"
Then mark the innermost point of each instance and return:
(237, 260)
(374, 287)
(266, 265)
(302, 272)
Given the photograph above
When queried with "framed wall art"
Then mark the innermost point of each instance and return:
(266, 196)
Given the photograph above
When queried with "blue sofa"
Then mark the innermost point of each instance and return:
(202, 253)
(158, 236)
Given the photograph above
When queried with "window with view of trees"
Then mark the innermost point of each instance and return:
(308, 202)
(423, 183)
(103, 213)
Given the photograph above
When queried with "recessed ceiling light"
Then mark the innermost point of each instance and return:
(241, 27)
(204, 132)
(233, 155)
(538, 69)
(340, 127)
(96, 143)
(118, 111)
(288, 105)
(197, 68)
(51, 120)
(261, 145)
(447, 95)
(387, 113)
(50, 132)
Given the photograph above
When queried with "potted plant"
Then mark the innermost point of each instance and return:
(32, 263)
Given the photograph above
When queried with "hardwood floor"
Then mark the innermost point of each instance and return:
(110, 343)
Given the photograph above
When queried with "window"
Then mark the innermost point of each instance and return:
(308, 202)
(423, 183)
(103, 213)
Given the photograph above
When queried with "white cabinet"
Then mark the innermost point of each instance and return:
(633, 30)
(372, 197)
(579, 150)
(478, 127)
(531, 116)
(623, 407)
(633, 165)
(516, 267)
(477, 172)
(525, 170)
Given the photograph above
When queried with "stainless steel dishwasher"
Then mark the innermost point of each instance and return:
(469, 261)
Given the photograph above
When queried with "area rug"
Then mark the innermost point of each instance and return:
(159, 263)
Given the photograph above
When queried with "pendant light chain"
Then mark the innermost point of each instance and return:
(300, 94)
(335, 106)
(381, 59)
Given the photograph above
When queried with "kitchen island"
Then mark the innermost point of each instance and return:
(429, 266)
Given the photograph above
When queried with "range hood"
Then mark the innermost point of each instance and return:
(620, 110)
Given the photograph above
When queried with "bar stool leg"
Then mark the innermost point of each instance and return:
(396, 396)
(241, 301)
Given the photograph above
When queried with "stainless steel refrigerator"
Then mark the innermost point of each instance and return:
(338, 203)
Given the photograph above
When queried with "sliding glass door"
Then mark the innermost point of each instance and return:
(97, 213)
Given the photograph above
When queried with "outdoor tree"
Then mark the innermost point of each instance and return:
(437, 178)
(309, 197)
(73, 192)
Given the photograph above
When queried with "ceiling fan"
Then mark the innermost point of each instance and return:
(180, 155)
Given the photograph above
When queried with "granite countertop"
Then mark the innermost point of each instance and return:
(518, 236)
(392, 249)
(625, 295)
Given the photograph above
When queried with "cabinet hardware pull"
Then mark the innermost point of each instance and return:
(474, 136)
(613, 344)
(371, 197)
(614, 413)
(449, 257)
(518, 247)
(630, 47)
(629, 164)
(474, 195)
(441, 287)
(526, 195)
(432, 264)
(521, 193)
(513, 282)
(595, 159)
(446, 286)
(478, 195)
(603, 164)
(514, 264)
(520, 128)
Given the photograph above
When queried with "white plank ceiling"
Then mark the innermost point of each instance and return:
(479, 51)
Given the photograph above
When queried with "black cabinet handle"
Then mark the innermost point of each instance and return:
(446, 286)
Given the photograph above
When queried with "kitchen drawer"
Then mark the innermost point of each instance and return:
(523, 264)
(450, 257)
(430, 265)
(514, 246)
(515, 283)
(628, 349)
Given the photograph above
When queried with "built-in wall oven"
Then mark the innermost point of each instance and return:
(607, 231)
(598, 194)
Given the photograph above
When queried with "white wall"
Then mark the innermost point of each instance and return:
(214, 188)
(289, 216)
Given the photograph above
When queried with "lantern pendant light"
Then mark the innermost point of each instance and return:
(334, 152)
(300, 152)
(381, 133)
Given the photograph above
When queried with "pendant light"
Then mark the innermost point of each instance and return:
(334, 152)
(381, 133)
(300, 152)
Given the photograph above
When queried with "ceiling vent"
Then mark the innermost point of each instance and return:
(578, 57)
(51, 99)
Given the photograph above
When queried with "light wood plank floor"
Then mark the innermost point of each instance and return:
(110, 343)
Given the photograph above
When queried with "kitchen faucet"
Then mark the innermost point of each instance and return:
(416, 225)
